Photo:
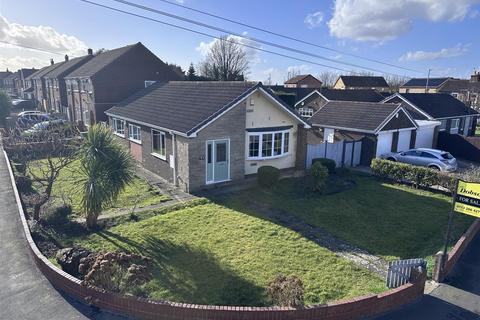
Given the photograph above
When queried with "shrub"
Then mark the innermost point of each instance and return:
(418, 176)
(268, 176)
(24, 184)
(5, 107)
(471, 175)
(320, 174)
(286, 291)
(58, 216)
(329, 163)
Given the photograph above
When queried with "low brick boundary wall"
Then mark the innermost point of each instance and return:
(355, 308)
(454, 255)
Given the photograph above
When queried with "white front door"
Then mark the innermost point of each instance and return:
(218, 161)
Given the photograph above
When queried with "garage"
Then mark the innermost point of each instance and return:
(384, 143)
(425, 133)
(404, 140)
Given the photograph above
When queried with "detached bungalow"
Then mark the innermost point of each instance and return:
(381, 128)
(454, 116)
(197, 134)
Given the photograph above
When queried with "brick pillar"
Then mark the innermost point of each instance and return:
(438, 275)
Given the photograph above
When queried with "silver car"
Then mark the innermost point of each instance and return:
(431, 158)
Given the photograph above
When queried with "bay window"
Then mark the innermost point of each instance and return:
(134, 133)
(264, 145)
(159, 144)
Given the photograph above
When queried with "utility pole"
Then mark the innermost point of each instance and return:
(428, 79)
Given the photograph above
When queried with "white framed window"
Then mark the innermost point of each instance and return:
(443, 125)
(266, 145)
(118, 127)
(159, 144)
(148, 83)
(86, 117)
(454, 124)
(305, 112)
(134, 133)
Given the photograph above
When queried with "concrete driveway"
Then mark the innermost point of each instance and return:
(24, 292)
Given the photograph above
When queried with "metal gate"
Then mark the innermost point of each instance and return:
(399, 271)
(344, 153)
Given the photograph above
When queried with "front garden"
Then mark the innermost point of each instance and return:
(229, 249)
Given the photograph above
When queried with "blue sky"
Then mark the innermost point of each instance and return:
(417, 34)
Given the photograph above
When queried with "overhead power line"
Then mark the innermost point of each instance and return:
(212, 36)
(269, 43)
(288, 37)
(31, 48)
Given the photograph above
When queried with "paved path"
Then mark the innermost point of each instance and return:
(456, 299)
(24, 292)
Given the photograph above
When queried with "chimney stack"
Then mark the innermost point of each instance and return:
(475, 77)
(66, 57)
(90, 51)
(51, 62)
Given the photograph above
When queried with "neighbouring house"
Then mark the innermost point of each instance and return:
(303, 81)
(37, 81)
(3, 75)
(467, 91)
(10, 84)
(455, 117)
(362, 82)
(353, 133)
(312, 102)
(110, 77)
(199, 134)
(423, 85)
(55, 85)
(22, 82)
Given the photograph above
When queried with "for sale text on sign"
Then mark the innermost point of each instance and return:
(467, 200)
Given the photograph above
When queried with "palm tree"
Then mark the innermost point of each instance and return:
(106, 168)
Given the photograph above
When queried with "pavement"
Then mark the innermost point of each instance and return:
(456, 299)
(24, 292)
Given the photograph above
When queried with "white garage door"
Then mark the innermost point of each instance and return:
(424, 137)
(403, 140)
(384, 143)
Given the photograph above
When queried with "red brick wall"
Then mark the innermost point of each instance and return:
(355, 308)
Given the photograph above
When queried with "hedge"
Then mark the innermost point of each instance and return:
(268, 176)
(418, 176)
(328, 163)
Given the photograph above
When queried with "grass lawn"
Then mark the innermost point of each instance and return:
(210, 254)
(392, 221)
(138, 193)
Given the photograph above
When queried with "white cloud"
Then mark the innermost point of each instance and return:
(380, 20)
(452, 52)
(41, 37)
(253, 55)
(313, 20)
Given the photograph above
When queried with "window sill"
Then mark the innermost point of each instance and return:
(135, 141)
(159, 156)
(268, 158)
(119, 134)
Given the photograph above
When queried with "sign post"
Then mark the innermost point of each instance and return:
(466, 200)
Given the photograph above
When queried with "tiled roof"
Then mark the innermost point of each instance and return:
(438, 105)
(4, 74)
(362, 116)
(364, 81)
(361, 95)
(100, 61)
(459, 85)
(422, 82)
(67, 66)
(44, 71)
(182, 106)
(296, 79)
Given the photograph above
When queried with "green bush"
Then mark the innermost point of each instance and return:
(58, 216)
(24, 184)
(268, 176)
(418, 176)
(5, 107)
(319, 173)
(329, 163)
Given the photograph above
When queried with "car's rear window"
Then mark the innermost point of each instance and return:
(447, 156)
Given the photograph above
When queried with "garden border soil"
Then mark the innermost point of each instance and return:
(355, 308)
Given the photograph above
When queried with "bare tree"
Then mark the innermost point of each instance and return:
(395, 82)
(42, 155)
(293, 72)
(226, 61)
(328, 78)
